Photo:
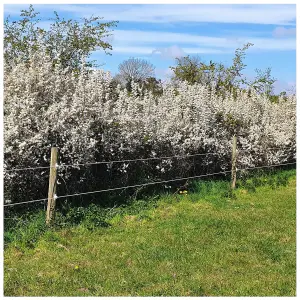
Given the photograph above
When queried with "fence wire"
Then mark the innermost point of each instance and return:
(132, 160)
(146, 184)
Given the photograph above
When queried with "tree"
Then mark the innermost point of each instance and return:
(192, 70)
(135, 69)
(234, 77)
(68, 42)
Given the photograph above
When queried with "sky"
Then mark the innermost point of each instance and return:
(160, 33)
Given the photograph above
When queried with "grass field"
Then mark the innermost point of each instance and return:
(201, 244)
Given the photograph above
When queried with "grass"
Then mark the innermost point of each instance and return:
(200, 244)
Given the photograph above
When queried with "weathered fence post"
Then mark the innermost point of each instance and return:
(233, 164)
(52, 187)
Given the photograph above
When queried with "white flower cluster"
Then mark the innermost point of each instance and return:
(88, 119)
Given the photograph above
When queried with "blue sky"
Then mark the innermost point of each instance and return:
(159, 33)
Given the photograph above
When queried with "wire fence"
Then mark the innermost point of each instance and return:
(131, 160)
(143, 184)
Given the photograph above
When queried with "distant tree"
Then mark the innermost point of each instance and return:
(135, 69)
(223, 78)
(193, 70)
(68, 42)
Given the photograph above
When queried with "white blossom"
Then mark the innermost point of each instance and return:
(46, 106)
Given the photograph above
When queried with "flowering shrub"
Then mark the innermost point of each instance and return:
(89, 120)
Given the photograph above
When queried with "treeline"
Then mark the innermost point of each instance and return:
(71, 42)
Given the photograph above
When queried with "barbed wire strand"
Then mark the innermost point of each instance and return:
(138, 159)
(164, 181)
(115, 161)
(108, 162)
(149, 183)
(145, 184)
(150, 158)
(119, 188)
(13, 204)
(129, 160)
(29, 168)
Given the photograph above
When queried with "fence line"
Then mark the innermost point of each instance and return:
(146, 159)
(114, 161)
(120, 188)
(29, 168)
(146, 184)
(38, 200)
(130, 160)
(138, 159)
(143, 184)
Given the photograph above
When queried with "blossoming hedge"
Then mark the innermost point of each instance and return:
(89, 120)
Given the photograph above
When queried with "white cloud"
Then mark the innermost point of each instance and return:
(133, 49)
(196, 50)
(240, 32)
(252, 14)
(140, 36)
(169, 52)
(173, 44)
(284, 32)
(214, 44)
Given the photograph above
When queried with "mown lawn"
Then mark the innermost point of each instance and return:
(189, 245)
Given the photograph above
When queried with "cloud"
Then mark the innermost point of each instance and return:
(132, 49)
(280, 32)
(204, 44)
(169, 52)
(252, 14)
(176, 51)
(165, 53)
(197, 50)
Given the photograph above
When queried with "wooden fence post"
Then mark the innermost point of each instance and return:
(233, 165)
(52, 187)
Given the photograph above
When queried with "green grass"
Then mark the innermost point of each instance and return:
(200, 244)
